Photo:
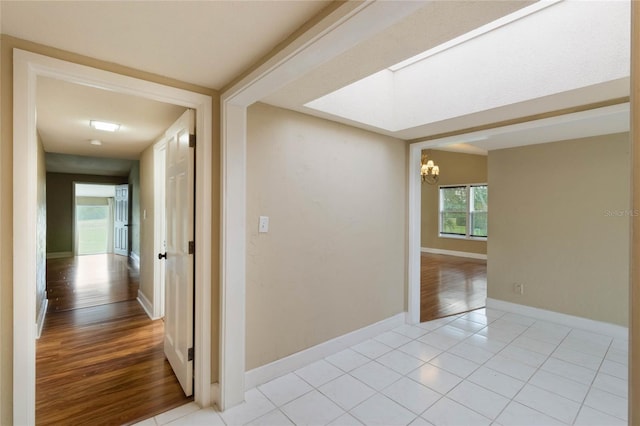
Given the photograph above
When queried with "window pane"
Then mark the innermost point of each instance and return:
(478, 224)
(454, 223)
(454, 199)
(480, 198)
(93, 229)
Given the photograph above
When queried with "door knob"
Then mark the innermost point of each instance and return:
(162, 255)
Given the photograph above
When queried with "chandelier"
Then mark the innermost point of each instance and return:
(430, 172)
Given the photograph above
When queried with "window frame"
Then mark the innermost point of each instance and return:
(468, 213)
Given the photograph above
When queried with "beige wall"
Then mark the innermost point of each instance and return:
(455, 168)
(334, 258)
(634, 297)
(559, 225)
(7, 44)
(134, 209)
(6, 235)
(147, 224)
(60, 207)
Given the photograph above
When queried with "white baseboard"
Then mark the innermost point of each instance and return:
(290, 363)
(146, 305)
(215, 395)
(41, 315)
(599, 327)
(60, 254)
(135, 257)
(454, 253)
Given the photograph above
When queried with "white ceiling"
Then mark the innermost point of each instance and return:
(64, 111)
(507, 62)
(208, 43)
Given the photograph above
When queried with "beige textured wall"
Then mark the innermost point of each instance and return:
(7, 44)
(147, 254)
(6, 235)
(559, 224)
(134, 208)
(455, 168)
(334, 258)
(634, 297)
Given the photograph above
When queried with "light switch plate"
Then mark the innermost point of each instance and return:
(263, 224)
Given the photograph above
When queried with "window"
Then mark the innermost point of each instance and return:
(463, 211)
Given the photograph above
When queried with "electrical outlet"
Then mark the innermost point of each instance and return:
(518, 288)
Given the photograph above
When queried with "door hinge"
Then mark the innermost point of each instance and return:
(192, 141)
(192, 247)
(190, 354)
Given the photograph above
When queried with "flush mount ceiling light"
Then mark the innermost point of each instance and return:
(95, 142)
(104, 125)
(430, 172)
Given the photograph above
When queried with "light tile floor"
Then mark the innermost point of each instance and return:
(485, 367)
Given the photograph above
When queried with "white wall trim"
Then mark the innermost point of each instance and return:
(27, 67)
(135, 258)
(146, 305)
(215, 393)
(454, 253)
(413, 249)
(42, 313)
(599, 327)
(24, 248)
(59, 254)
(282, 366)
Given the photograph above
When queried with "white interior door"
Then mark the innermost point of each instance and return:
(179, 196)
(121, 221)
(160, 231)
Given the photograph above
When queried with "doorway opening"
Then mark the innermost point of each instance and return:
(94, 218)
(454, 234)
(26, 160)
(96, 298)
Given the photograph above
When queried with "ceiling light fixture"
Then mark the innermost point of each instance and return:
(95, 142)
(430, 172)
(104, 125)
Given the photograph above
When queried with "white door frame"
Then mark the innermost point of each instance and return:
(339, 31)
(74, 227)
(27, 67)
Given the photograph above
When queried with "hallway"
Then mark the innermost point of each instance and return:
(100, 359)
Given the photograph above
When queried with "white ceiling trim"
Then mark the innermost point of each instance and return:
(340, 31)
(594, 122)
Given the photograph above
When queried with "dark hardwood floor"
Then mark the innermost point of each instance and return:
(450, 285)
(100, 359)
(83, 281)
